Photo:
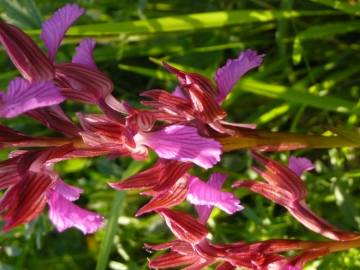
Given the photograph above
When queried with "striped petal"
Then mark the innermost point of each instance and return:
(21, 96)
(216, 181)
(201, 193)
(31, 62)
(159, 177)
(55, 118)
(227, 76)
(79, 83)
(69, 192)
(84, 53)
(184, 226)
(54, 29)
(25, 200)
(168, 198)
(182, 143)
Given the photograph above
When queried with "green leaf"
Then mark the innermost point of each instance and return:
(321, 32)
(23, 13)
(353, 9)
(189, 22)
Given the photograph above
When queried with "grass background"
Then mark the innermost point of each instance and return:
(309, 81)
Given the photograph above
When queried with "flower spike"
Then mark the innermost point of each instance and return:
(286, 188)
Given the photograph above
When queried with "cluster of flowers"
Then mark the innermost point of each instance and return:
(184, 128)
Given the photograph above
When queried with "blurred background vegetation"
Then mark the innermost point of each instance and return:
(309, 81)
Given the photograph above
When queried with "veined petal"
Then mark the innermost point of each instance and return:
(31, 62)
(184, 226)
(271, 192)
(182, 143)
(201, 193)
(227, 76)
(8, 173)
(168, 198)
(159, 177)
(84, 53)
(299, 165)
(64, 214)
(179, 246)
(280, 175)
(25, 200)
(310, 220)
(22, 96)
(54, 29)
(173, 259)
(216, 181)
(67, 191)
(188, 78)
(205, 105)
(55, 118)
(77, 82)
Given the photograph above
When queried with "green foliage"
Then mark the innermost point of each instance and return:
(308, 83)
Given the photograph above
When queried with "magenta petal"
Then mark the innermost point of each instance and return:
(227, 76)
(84, 53)
(178, 92)
(64, 214)
(299, 165)
(54, 29)
(216, 181)
(21, 96)
(182, 143)
(201, 193)
(69, 192)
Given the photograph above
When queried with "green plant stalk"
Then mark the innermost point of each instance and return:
(282, 141)
(110, 231)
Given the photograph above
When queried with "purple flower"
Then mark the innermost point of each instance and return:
(79, 80)
(182, 143)
(34, 184)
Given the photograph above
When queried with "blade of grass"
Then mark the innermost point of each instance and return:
(340, 5)
(321, 32)
(188, 22)
(108, 241)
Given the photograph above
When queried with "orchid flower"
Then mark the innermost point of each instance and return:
(196, 98)
(46, 83)
(192, 250)
(30, 184)
(178, 142)
(284, 186)
(169, 184)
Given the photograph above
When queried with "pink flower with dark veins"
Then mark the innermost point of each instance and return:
(34, 184)
(284, 186)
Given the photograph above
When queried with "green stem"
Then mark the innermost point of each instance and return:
(108, 240)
